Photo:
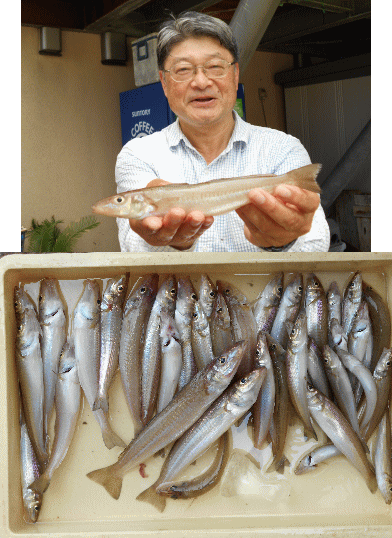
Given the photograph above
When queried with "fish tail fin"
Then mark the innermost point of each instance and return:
(41, 484)
(106, 478)
(150, 495)
(111, 439)
(372, 483)
(278, 465)
(101, 402)
(305, 177)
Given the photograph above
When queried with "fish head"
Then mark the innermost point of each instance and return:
(275, 347)
(207, 292)
(114, 293)
(246, 390)
(221, 370)
(22, 300)
(274, 289)
(313, 290)
(199, 318)
(314, 398)
(331, 360)
(220, 312)
(353, 290)
(129, 205)
(294, 289)
(28, 329)
(262, 355)
(333, 294)
(67, 362)
(232, 295)
(186, 296)
(32, 504)
(167, 293)
(145, 288)
(298, 336)
(50, 304)
(88, 305)
(384, 365)
(337, 333)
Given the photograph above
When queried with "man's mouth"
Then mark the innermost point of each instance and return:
(203, 99)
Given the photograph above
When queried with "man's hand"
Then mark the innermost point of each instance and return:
(279, 218)
(176, 229)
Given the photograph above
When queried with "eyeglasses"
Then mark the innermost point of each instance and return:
(212, 69)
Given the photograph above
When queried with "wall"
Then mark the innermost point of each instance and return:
(71, 130)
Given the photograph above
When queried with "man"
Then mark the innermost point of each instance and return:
(198, 62)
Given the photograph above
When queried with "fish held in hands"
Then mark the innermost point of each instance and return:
(189, 404)
(211, 197)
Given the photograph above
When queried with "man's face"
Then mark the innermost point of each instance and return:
(201, 101)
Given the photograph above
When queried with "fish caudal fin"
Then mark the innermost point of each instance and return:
(305, 177)
(41, 484)
(101, 403)
(150, 495)
(278, 465)
(106, 478)
(111, 439)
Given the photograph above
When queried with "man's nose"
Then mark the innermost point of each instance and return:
(200, 78)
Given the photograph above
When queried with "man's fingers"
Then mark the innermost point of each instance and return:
(305, 201)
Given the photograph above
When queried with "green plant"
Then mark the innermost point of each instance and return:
(48, 237)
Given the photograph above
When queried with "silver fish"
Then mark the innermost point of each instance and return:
(382, 458)
(382, 376)
(87, 342)
(288, 309)
(220, 326)
(67, 402)
(281, 415)
(53, 321)
(316, 310)
(351, 301)
(219, 417)
(171, 354)
(22, 301)
(338, 429)
(151, 357)
(359, 335)
(111, 318)
(242, 320)
(165, 427)
(318, 455)
(32, 500)
(211, 197)
(31, 380)
(264, 406)
(194, 487)
(316, 369)
(297, 366)
(367, 381)
(341, 386)
(381, 322)
(337, 336)
(136, 313)
(207, 294)
(201, 336)
(186, 298)
(266, 305)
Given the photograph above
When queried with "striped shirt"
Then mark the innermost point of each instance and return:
(168, 155)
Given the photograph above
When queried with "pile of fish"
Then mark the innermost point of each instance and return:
(194, 364)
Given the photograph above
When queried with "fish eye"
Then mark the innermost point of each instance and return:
(120, 288)
(40, 298)
(98, 301)
(227, 291)
(173, 292)
(222, 360)
(212, 294)
(243, 381)
(280, 289)
(119, 199)
(388, 363)
(219, 310)
(257, 353)
(143, 289)
(194, 296)
(273, 346)
(300, 288)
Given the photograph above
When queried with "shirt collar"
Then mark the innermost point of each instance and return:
(240, 134)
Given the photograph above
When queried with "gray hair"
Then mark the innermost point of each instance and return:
(193, 24)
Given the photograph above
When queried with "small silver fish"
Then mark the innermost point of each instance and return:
(316, 310)
(186, 298)
(288, 309)
(207, 294)
(201, 336)
(32, 500)
(111, 318)
(266, 305)
(351, 301)
(171, 353)
(263, 408)
(220, 326)
(67, 402)
(382, 457)
(211, 197)
(334, 424)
